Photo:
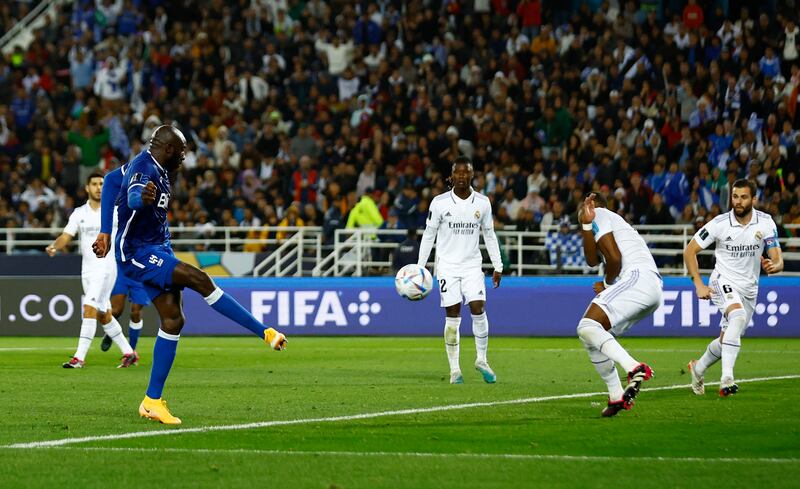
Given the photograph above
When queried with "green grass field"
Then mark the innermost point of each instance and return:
(547, 437)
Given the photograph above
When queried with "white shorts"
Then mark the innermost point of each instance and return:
(634, 296)
(724, 295)
(97, 286)
(453, 287)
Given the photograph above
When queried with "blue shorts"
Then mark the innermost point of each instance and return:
(152, 266)
(134, 290)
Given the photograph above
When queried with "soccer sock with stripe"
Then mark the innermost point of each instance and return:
(593, 333)
(731, 341)
(451, 341)
(480, 330)
(88, 330)
(114, 331)
(223, 303)
(163, 356)
(134, 329)
(710, 357)
(607, 370)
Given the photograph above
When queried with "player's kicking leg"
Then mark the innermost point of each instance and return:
(170, 278)
(480, 331)
(604, 350)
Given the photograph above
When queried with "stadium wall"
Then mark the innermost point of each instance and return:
(528, 306)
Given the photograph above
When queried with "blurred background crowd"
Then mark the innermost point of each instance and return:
(337, 113)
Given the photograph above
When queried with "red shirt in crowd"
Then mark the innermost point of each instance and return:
(693, 16)
(530, 13)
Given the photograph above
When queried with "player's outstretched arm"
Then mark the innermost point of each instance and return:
(690, 258)
(59, 244)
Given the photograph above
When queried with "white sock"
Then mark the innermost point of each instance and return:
(731, 341)
(480, 330)
(451, 341)
(710, 357)
(608, 372)
(88, 330)
(114, 331)
(138, 325)
(593, 333)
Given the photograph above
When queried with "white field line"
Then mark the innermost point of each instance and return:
(345, 418)
(421, 348)
(482, 456)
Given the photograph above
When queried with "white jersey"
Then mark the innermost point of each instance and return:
(633, 249)
(455, 224)
(739, 247)
(86, 221)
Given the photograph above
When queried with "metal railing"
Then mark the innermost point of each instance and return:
(21, 34)
(302, 251)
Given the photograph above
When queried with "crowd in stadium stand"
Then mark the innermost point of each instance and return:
(335, 113)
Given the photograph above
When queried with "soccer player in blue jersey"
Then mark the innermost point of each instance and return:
(143, 251)
(123, 286)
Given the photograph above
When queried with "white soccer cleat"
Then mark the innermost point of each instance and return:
(456, 377)
(486, 371)
(698, 386)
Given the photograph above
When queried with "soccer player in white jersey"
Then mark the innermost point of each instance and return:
(741, 237)
(631, 290)
(97, 277)
(455, 219)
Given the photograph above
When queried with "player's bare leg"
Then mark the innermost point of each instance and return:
(593, 330)
(186, 275)
(480, 331)
(452, 338)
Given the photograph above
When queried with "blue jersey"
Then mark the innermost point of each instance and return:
(142, 225)
(112, 183)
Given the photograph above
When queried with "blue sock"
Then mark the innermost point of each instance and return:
(134, 330)
(163, 356)
(226, 305)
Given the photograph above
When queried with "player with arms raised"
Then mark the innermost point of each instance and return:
(631, 290)
(97, 276)
(741, 235)
(145, 255)
(454, 221)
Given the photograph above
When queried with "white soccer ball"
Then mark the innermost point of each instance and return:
(413, 282)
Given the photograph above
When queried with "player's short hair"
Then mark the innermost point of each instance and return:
(94, 174)
(745, 183)
(462, 160)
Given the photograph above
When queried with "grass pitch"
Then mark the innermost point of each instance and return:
(530, 429)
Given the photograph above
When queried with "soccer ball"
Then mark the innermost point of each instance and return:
(413, 282)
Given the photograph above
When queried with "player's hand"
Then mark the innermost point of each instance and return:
(496, 277)
(101, 245)
(51, 250)
(599, 287)
(768, 266)
(703, 291)
(588, 214)
(149, 193)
